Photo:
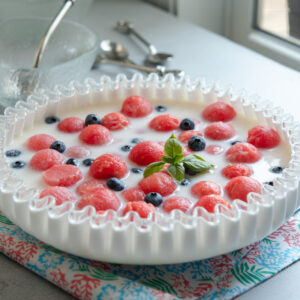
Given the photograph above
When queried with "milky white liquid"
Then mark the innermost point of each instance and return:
(138, 128)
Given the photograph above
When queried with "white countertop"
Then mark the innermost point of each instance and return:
(199, 53)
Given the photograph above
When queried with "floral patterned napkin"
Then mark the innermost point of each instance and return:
(221, 277)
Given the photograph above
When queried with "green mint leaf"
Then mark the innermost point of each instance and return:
(196, 163)
(168, 159)
(176, 171)
(173, 147)
(153, 168)
(199, 157)
(178, 158)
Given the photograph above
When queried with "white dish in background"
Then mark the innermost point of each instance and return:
(173, 239)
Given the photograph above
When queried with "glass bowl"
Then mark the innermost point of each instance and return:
(69, 55)
(42, 8)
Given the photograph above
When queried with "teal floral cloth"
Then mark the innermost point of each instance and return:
(221, 277)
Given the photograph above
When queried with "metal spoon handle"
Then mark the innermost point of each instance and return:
(128, 28)
(55, 22)
(160, 71)
(131, 65)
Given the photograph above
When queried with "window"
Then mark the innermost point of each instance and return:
(270, 27)
(252, 24)
(280, 18)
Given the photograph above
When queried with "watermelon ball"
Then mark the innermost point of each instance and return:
(62, 175)
(88, 185)
(180, 203)
(154, 198)
(203, 188)
(219, 131)
(209, 202)
(147, 152)
(108, 165)
(187, 124)
(95, 135)
(115, 121)
(239, 187)
(115, 184)
(61, 194)
(133, 194)
(243, 153)
(141, 207)
(214, 149)
(92, 119)
(218, 111)
(58, 146)
(186, 135)
(101, 198)
(263, 137)
(45, 159)
(39, 142)
(71, 125)
(235, 170)
(164, 123)
(136, 107)
(197, 143)
(159, 182)
(78, 152)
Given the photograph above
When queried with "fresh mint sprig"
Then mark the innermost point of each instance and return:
(178, 162)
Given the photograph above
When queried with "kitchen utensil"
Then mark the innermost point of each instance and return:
(154, 57)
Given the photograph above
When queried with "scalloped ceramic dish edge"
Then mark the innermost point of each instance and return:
(159, 239)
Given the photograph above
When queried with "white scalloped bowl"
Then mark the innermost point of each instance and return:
(159, 239)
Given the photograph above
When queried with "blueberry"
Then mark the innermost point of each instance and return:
(92, 119)
(160, 108)
(269, 183)
(72, 161)
(126, 148)
(52, 120)
(185, 181)
(18, 164)
(235, 142)
(187, 124)
(190, 172)
(87, 162)
(58, 146)
(276, 170)
(136, 140)
(137, 170)
(154, 198)
(115, 184)
(12, 153)
(197, 143)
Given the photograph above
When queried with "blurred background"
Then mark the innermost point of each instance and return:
(271, 27)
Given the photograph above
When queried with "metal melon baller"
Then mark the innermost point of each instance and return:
(115, 53)
(27, 80)
(154, 57)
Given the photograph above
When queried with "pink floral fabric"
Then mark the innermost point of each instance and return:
(221, 277)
